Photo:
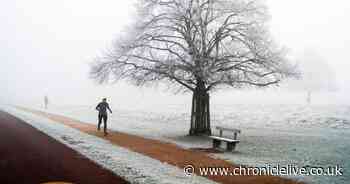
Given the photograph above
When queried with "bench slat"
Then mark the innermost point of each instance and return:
(223, 139)
(228, 129)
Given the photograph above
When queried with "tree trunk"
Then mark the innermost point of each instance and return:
(200, 115)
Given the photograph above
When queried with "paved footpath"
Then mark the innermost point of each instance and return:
(31, 157)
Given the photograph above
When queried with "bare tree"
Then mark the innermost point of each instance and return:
(196, 46)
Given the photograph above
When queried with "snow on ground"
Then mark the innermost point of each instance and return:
(132, 166)
(271, 134)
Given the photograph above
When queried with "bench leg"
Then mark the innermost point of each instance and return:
(231, 146)
(216, 143)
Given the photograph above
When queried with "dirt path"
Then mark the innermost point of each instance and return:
(28, 156)
(166, 152)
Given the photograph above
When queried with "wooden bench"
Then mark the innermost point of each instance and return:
(235, 131)
(231, 142)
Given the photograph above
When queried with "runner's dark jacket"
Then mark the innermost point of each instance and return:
(102, 108)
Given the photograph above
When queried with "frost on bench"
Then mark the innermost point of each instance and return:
(230, 142)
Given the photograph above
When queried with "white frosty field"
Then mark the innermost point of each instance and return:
(306, 136)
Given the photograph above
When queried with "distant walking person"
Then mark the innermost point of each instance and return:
(102, 114)
(46, 102)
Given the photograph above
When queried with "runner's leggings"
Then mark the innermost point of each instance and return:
(104, 118)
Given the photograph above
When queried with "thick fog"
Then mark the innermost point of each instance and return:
(46, 48)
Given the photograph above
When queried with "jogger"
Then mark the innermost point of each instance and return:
(102, 114)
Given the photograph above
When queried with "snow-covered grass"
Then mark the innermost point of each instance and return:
(132, 166)
(271, 134)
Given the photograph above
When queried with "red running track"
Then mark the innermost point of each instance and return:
(28, 156)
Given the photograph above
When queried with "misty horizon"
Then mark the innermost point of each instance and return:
(47, 48)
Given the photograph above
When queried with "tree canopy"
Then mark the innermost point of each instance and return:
(204, 44)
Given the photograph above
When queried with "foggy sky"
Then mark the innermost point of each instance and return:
(46, 47)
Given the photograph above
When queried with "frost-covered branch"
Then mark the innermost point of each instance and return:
(206, 43)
